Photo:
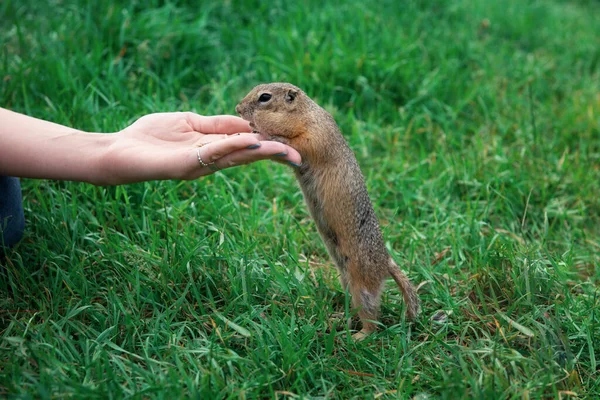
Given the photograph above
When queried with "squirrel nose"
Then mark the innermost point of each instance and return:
(238, 109)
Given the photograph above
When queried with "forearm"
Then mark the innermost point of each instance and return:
(33, 148)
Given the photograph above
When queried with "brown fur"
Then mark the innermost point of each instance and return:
(335, 193)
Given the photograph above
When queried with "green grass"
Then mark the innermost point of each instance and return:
(476, 124)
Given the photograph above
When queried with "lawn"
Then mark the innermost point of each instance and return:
(476, 124)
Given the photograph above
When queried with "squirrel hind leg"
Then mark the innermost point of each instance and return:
(367, 300)
(364, 301)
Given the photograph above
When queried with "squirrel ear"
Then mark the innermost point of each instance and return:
(291, 95)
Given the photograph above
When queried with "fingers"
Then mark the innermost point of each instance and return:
(267, 150)
(238, 150)
(223, 124)
(218, 149)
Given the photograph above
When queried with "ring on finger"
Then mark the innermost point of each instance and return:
(201, 162)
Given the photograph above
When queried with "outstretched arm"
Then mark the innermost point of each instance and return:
(156, 146)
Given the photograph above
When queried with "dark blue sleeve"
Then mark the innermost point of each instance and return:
(12, 219)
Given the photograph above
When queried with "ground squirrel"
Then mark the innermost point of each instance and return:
(335, 193)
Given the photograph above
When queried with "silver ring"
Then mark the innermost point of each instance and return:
(202, 163)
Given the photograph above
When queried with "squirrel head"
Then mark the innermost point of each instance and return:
(277, 111)
(283, 113)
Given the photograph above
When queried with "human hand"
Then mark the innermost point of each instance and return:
(166, 146)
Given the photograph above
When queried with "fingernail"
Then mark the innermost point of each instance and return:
(281, 154)
(254, 146)
(293, 164)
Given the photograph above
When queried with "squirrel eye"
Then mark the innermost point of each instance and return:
(264, 97)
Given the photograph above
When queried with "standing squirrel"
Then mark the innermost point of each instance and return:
(335, 192)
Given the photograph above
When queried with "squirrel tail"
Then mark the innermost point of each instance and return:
(408, 291)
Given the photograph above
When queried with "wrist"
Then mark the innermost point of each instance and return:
(101, 160)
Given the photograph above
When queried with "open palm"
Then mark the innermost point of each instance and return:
(165, 146)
